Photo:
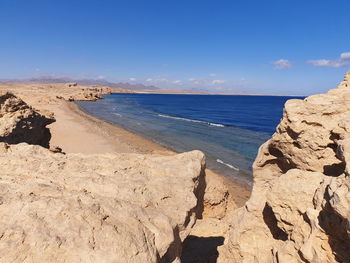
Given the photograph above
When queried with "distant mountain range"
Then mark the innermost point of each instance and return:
(137, 87)
(97, 82)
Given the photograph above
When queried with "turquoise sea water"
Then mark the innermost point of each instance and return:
(228, 129)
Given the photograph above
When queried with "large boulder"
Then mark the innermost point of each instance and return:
(21, 123)
(96, 208)
(299, 210)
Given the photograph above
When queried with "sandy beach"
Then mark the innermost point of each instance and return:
(75, 131)
(78, 132)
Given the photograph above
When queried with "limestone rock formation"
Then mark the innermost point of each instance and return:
(96, 208)
(299, 210)
(21, 123)
(88, 93)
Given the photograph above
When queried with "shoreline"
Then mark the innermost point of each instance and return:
(123, 141)
(76, 131)
(235, 167)
(128, 142)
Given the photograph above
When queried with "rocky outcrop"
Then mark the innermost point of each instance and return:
(299, 210)
(89, 93)
(21, 123)
(82, 93)
(96, 208)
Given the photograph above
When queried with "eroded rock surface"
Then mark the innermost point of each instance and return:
(96, 208)
(21, 123)
(299, 210)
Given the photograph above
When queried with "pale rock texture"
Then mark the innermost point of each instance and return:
(299, 210)
(217, 198)
(21, 123)
(96, 208)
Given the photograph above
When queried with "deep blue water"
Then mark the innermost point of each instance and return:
(228, 129)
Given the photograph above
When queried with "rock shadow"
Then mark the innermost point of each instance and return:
(200, 194)
(174, 249)
(201, 249)
(334, 170)
(271, 222)
(336, 229)
(31, 130)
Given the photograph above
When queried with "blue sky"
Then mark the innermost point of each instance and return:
(271, 47)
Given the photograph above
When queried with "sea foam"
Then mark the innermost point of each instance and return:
(191, 120)
(228, 165)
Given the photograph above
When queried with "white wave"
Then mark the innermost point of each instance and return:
(228, 165)
(116, 114)
(184, 119)
(215, 124)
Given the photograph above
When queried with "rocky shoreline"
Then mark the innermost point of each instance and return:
(128, 200)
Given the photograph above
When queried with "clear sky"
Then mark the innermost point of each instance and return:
(263, 46)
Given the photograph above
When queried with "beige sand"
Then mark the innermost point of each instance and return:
(77, 132)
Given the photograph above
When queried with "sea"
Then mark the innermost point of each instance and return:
(228, 128)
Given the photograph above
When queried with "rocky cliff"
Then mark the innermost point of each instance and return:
(21, 123)
(299, 209)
